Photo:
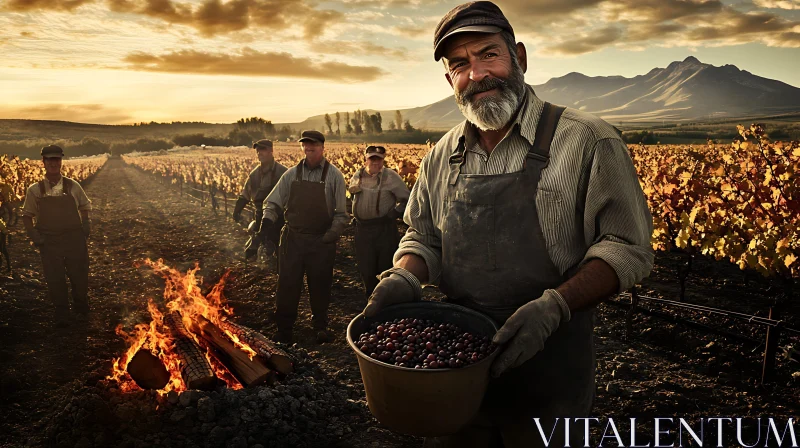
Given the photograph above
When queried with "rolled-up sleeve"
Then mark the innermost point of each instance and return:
(84, 204)
(31, 206)
(617, 220)
(400, 191)
(422, 238)
(340, 216)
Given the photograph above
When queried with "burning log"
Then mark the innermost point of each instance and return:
(249, 372)
(147, 370)
(275, 357)
(195, 368)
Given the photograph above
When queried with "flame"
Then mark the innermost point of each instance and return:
(183, 295)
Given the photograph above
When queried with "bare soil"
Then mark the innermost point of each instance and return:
(663, 370)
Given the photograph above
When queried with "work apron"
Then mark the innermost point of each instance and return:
(64, 252)
(302, 251)
(494, 260)
(260, 187)
(375, 241)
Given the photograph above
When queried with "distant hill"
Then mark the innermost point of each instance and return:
(687, 90)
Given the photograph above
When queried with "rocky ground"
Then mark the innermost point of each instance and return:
(54, 391)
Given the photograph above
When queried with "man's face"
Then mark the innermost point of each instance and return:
(52, 165)
(488, 82)
(313, 151)
(265, 155)
(374, 164)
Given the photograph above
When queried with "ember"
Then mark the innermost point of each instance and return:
(194, 341)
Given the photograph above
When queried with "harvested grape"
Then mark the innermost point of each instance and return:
(423, 344)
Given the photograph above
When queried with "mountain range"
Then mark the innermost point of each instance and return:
(687, 90)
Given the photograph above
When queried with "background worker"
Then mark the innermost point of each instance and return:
(311, 195)
(259, 183)
(56, 216)
(528, 213)
(379, 198)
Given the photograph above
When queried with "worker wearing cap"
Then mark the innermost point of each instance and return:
(259, 183)
(529, 213)
(56, 216)
(311, 196)
(379, 198)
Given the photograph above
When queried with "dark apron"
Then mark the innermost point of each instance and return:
(57, 214)
(64, 252)
(307, 207)
(260, 187)
(301, 252)
(494, 260)
(375, 241)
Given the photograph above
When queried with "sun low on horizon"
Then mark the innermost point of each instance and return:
(127, 61)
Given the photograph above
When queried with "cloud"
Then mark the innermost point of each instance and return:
(588, 42)
(777, 4)
(209, 17)
(361, 48)
(55, 5)
(249, 62)
(81, 113)
(629, 24)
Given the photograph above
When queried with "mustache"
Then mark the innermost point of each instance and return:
(484, 85)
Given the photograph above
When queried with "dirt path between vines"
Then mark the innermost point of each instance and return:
(666, 370)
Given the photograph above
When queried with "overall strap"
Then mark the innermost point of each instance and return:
(299, 171)
(324, 171)
(66, 184)
(539, 153)
(456, 161)
(42, 188)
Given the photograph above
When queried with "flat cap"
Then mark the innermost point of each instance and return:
(312, 136)
(475, 17)
(264, 143)
(52, 151)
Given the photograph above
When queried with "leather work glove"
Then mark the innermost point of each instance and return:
(86, 225)
(237, 209)
(528, 329)
(36, 237)
(396, 286)
(330, 237)
(394, 214)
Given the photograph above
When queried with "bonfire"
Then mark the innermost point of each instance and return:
(192, 343)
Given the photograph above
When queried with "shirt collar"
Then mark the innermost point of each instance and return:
(321, 164)
(525, 121)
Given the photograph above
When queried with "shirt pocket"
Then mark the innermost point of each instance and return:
(550, 207)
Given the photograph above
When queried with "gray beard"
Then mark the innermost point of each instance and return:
(493, 112)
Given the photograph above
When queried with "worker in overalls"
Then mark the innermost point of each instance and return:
(56, 216)
(379, 198)
(530, 214)
(259, 183)
(311, 196)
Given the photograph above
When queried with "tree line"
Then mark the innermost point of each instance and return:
(364, 123)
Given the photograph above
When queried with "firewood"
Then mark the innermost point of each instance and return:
(249, 372)
(147, 370)
(196, 371)
(275, 357)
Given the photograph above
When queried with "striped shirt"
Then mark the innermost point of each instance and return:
(589, 199)
(31, 206)
(388, 184)
(334, 194)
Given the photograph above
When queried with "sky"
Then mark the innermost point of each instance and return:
(126, 61)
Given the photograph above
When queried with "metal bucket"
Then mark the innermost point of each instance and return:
(427, 403)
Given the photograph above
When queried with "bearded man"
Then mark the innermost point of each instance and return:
(529, 213)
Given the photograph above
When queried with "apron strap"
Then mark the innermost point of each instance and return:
(378, 201)
(299, 170)
(456, 161)
(324, 171)
(539, 154)
(42, 188)
(67, 185)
